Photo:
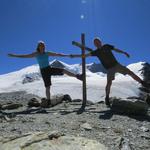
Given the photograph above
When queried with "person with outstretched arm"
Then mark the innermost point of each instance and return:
(110, 63)
(46, 70)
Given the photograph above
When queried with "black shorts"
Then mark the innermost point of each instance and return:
(48, 72)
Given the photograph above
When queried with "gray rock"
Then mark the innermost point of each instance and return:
(145, 136)
(55, 99)
(125, 144)
(86, 126)
(55, 135)
(11, 106)
(34, 102)
(67, 98)
(77, 100)
(144, 129)
(41, 140)
(45, 103)
(88, 102)
(126, 106)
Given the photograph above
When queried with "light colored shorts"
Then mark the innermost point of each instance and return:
(117, 69)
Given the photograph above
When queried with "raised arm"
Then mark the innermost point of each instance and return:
(24, 55)
(81, 46)
(57, 54)
(120, 51)
(78, 55)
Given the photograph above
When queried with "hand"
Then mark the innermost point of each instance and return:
(71, 55)
(127, 54)
(75, 55)
(11, 55)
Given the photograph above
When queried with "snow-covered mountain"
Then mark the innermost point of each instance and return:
(32, 75)
(29, 79)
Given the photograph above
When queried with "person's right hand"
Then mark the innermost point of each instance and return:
(10, 55)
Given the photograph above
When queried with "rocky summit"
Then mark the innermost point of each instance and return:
(25, 125)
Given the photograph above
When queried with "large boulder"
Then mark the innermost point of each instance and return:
(145, 72)
(55, 99)
(129, 106)
(52, 141)
(34, 102)
(147, 99)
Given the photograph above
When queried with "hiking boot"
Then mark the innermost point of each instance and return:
(145, 84)
(107, 101)
(79, 76)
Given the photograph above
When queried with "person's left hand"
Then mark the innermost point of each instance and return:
(71, 55)
(127, 54)
(10, 55)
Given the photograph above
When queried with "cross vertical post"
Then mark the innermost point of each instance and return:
(83, 72)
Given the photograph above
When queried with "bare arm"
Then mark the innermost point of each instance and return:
(81, 46)
(57, 54)
(23, 56)
(88, 49)
(120, 51)
(78, 55)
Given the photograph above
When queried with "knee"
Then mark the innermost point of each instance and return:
(109, 82)
(48, 88)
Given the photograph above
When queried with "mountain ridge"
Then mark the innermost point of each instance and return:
(29, 79)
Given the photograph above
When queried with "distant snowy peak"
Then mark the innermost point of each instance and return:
(96, 68)
(136, 67)
(93, 67)
(58, 64)
(31, 77)
(75, 68)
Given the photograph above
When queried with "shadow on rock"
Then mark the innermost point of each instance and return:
(108, 114)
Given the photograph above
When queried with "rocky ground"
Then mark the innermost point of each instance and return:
(117, 131)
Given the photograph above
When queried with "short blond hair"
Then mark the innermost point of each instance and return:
(96, 38)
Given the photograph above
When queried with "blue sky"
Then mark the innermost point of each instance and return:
(122, 23)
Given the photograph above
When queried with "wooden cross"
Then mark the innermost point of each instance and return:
(83, 72)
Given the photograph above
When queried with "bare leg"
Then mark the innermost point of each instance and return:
(45, 103)
(134, 76)
(69, 73)
(78, 76)
(108, 86)
(48, 93)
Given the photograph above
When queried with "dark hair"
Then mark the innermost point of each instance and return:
(39, 43)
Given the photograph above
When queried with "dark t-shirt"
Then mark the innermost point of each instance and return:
(106, 56)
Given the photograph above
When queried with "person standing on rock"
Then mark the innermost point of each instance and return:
(47, 71)
(110, 63)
